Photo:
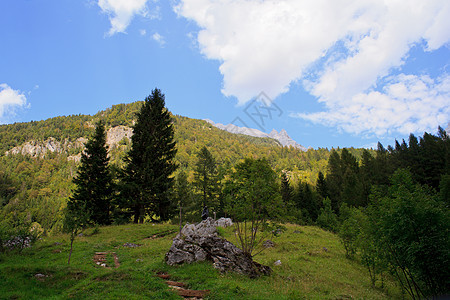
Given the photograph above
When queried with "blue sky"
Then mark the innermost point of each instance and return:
(332, 72)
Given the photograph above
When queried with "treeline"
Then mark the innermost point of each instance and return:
(391, 211)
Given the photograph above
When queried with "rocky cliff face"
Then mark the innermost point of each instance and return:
(41, 148)
(115, 134)
(282, 137)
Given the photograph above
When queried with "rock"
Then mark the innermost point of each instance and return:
(268, 244)
(204, 228)
(277, 263)
(131, 245)
(224, 222)
(115, 134)
(200, 242)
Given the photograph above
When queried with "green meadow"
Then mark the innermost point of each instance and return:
(313, 266)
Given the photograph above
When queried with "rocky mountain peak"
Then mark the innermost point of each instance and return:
(282, 137)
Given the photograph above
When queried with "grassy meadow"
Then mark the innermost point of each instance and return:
(313, 266)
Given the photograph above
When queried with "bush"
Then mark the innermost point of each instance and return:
(411, 231)
(327, 219)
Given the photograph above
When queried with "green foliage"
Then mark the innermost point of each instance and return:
(186, 199)
(327, 219)
(150, 163)
(350, 229)
(206, 178)
(253, 198)
(60, 128)
(286, 189)
(94, 186)
(412, 228)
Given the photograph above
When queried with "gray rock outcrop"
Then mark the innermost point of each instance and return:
(282, 137)
(224, 222)
(115, 134)
(40, 148)
(200, 242)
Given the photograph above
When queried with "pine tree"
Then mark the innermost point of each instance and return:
(334, 180)
(94, 185)
(286, 189)
(321, 186)
(206, 177)
(146, 179)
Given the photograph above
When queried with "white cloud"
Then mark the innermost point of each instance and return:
(159, 39)
(407, 103)
(339, 50)
(121, 12)
(9, 100)
(143, 32)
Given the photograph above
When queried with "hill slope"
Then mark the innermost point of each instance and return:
(38, 187)
(313, 267)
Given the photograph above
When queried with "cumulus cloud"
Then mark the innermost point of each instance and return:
(339, 50)
(9, 100)
(121, 12)
(159, 39)
(407, 103)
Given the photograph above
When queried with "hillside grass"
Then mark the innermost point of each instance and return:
(308, 270)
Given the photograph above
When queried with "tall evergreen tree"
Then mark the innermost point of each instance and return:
(334, 180)
(94, 185)
(206, 177)
(321, 186)
(286, 189)
(146, 179)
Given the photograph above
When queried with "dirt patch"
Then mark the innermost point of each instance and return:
(180, 288)
(100, 258)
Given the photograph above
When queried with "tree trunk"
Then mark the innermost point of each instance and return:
(180, 220)
(72, 238)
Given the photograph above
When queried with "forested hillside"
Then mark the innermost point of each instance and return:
(38, 188)
(383, 203)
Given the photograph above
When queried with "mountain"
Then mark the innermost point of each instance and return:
(282, 137)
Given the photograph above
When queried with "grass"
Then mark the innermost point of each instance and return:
(308, 270)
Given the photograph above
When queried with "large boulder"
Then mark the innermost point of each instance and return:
(200, 242)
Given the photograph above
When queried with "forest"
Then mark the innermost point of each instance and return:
(389, 206)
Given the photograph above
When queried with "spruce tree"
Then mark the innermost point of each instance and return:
(286, 189)
(94, 185)
(146, 179)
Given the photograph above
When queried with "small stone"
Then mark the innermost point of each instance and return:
(139, 260)
(268, 244)
(277, 263)
(103, 265)
(81, 234)
(131, 245)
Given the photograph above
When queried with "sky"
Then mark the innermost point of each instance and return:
(332, 73)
